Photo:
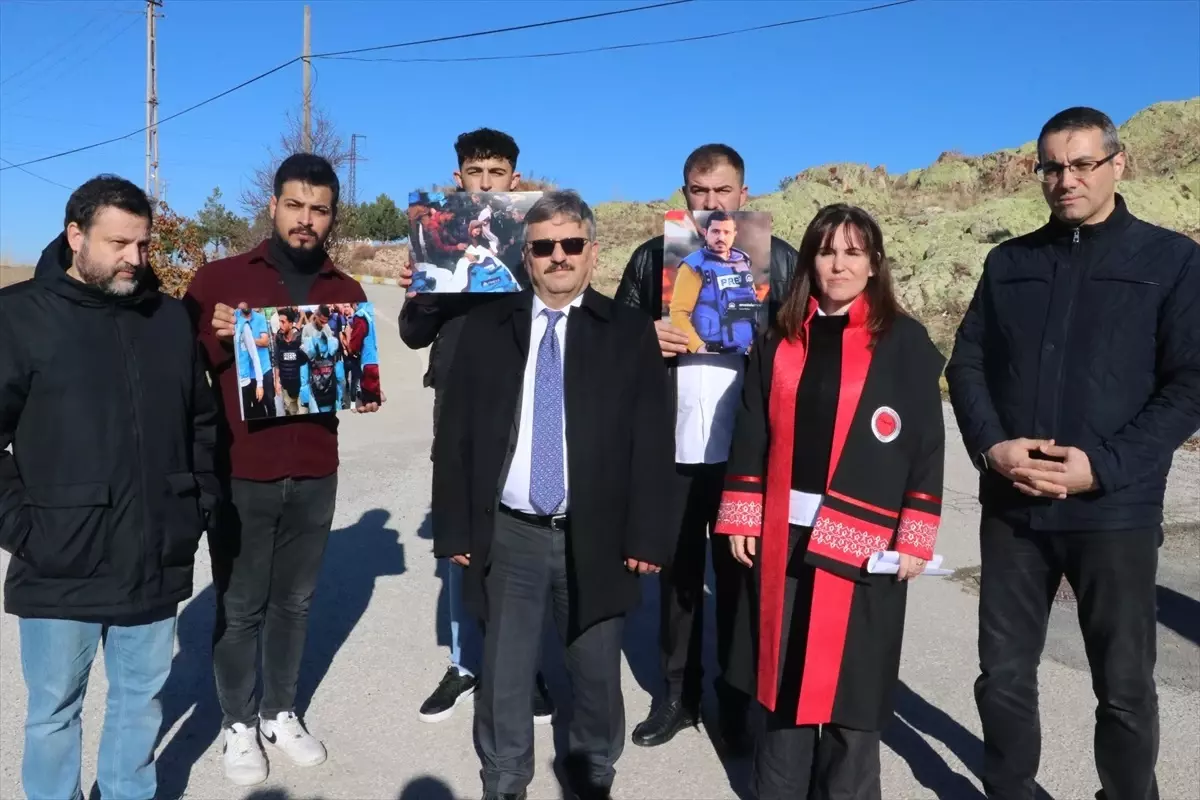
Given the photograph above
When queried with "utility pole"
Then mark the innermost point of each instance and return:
(354, 159)
(152, 98)
(307, 140)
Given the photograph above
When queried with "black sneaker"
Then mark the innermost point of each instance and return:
(454, 688)
(543, 706)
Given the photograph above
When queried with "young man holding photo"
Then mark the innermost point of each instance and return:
(487, 162)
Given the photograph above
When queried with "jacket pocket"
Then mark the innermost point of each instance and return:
(70, 528)
(183, 521)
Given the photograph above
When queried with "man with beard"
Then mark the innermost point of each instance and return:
(268, 545)
(107, 490)
(707, 390)
(713, 299)
(487, 162)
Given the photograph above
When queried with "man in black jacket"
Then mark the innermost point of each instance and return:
(487, 162)
(706, 390)
(107, 489)
(550, 463)
(1075, 376)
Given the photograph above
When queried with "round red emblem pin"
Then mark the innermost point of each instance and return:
(885, 424)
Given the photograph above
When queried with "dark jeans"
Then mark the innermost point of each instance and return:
(808, 762)
(681, 584)
(1113, 576)
(528, 570)
(266, 558)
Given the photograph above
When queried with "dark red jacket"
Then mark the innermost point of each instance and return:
(296, 447)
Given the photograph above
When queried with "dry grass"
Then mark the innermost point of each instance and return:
(10, 274)
(365, 259)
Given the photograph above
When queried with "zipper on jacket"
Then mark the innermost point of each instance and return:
(127, 365)
(1073, 287)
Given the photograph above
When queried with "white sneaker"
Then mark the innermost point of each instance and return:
(245, 763)
(287, 733)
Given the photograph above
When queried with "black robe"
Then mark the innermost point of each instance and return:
(883, 492)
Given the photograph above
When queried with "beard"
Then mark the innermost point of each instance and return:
(106, 278)
(302, 257)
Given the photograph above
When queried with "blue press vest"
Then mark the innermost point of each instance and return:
(370, 348)
(723, 289)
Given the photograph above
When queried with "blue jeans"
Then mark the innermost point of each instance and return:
(56, 657)
(466, 641)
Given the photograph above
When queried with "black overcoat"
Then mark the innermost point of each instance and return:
(619, 429)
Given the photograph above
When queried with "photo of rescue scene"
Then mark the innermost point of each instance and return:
(716, 267)
(468, 241)
(311, 359)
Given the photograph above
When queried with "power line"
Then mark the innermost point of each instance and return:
(289, 62)
(35, 175)
(629, 46)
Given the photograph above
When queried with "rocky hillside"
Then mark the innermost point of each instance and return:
(940, 222)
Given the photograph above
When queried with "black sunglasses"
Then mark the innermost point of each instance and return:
(544, 248)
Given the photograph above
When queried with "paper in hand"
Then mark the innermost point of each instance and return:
(887, 562)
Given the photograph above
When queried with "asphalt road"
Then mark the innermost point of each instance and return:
(378, 634)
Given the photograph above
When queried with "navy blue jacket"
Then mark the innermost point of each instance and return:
(1089, 336)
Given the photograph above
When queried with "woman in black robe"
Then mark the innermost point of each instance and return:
(837, 454)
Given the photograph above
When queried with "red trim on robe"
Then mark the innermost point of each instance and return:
(917, 533)
(847, 539)
(928, 498)
(845, 498)
(832, 595)
(744, 479)
(740, 514)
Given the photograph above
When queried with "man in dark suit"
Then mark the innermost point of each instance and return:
(548, 486)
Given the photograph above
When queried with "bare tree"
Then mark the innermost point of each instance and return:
(326, 142)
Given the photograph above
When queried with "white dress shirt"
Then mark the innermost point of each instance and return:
(515, 494)
(708, 388)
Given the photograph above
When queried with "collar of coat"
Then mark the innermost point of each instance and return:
(596, 304)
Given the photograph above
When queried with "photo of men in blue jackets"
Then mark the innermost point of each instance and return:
(292, 361)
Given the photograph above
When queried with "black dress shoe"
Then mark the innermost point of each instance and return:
(665, 720)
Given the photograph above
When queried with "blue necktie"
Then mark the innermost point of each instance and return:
(547, 485)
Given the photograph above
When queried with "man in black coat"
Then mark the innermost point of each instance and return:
(551, 459)
(1075, 376)
(487, 162)
(107, 490)
(706, 391)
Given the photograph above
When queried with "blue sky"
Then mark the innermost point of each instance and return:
(894, 87)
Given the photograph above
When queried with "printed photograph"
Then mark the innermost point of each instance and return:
(310, 359)
(467, 241)
(716, 269)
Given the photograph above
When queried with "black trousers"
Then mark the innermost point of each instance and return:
(254, 408)
(266, 558)
(807, 762)
(681, 584)
(1113, 576)
(528, 570)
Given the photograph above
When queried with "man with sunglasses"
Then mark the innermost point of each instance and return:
(1075, 376)
(547, 486)
(487, 162)
(704, 386)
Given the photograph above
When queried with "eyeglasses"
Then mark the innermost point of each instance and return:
(1052, 171)
(544, 248)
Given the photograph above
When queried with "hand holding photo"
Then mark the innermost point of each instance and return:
(468, 241)
(310, 359)
(716, 270)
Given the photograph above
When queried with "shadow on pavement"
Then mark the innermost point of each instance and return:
(354, 558)
(1179, 612)
(425, 787)
(913, 716)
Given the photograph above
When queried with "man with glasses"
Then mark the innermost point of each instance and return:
(487, 162)
(1075, 376)
(547, 487)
